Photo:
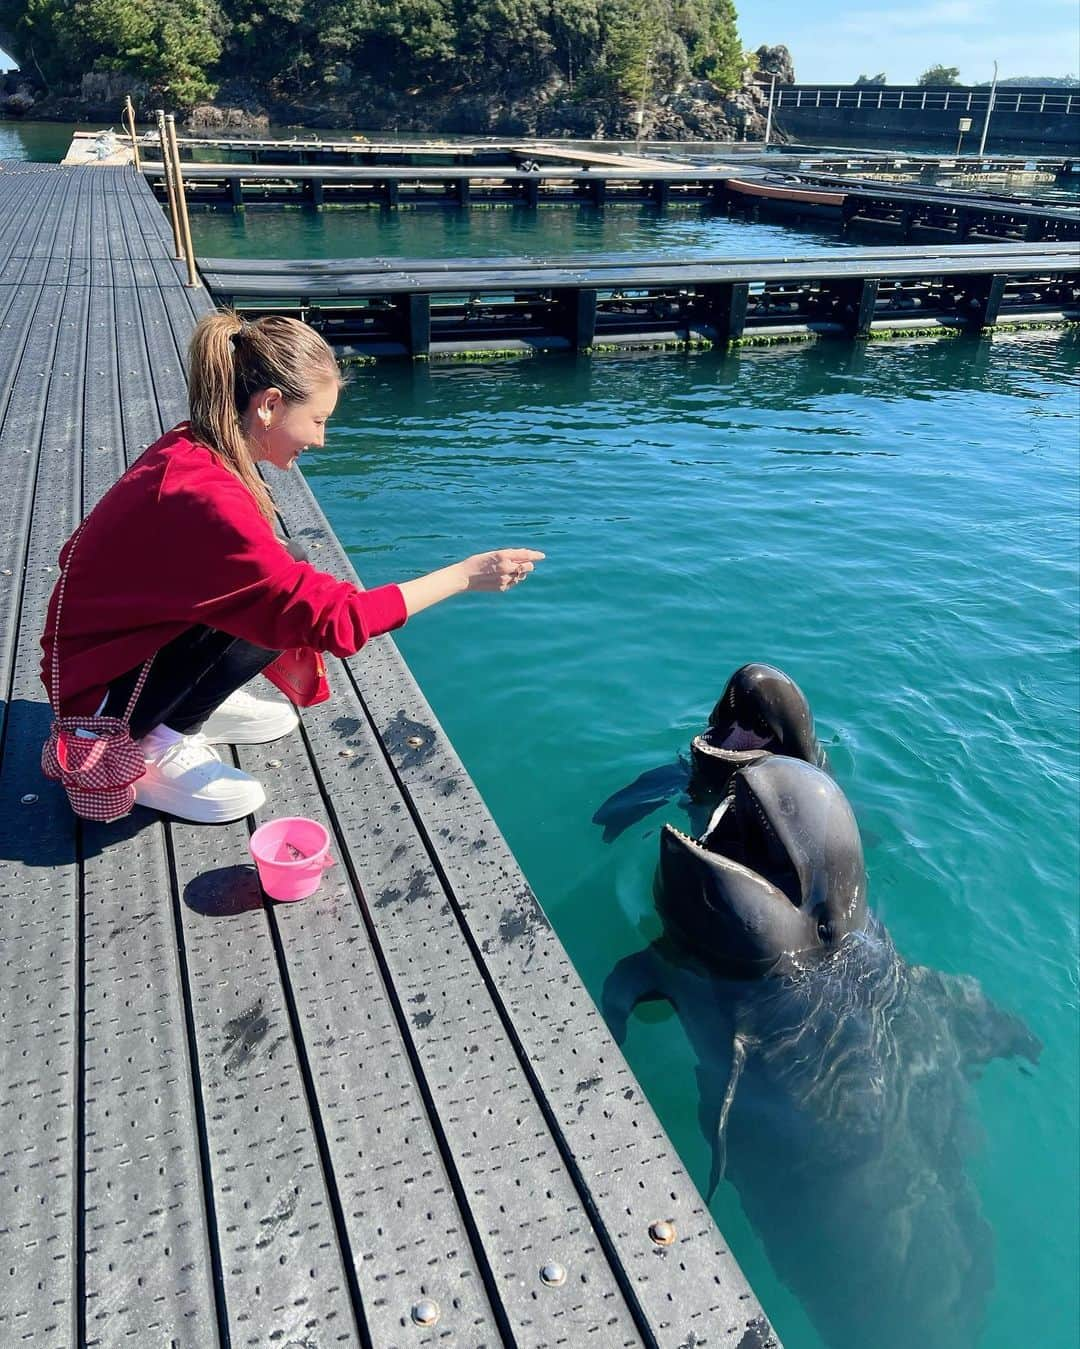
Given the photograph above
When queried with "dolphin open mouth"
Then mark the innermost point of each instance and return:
(748, 839)
(761, 712)
(777, 871)
(731, 745)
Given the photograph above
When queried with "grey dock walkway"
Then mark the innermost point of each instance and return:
(224, 1122)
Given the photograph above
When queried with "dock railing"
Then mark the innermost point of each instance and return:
(170, 189)
(128, 117)
(174, 186)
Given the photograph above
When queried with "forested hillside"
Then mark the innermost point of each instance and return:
(389, 53)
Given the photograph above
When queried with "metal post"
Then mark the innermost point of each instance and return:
(989, 110)
(768, 120)
(185, 223)
(129, 122)
(170, 191)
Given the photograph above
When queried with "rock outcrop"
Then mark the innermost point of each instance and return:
(776, 61)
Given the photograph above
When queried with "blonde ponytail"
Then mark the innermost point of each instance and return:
(228, 361)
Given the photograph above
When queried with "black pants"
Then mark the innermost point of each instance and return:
(190, 677)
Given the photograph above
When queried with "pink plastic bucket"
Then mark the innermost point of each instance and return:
(291, 855)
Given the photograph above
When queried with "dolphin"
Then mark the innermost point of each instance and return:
(761, 712)
(834, 1078)
(777, 874)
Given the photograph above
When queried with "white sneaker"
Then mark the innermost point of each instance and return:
(184, 777)
(243, 719)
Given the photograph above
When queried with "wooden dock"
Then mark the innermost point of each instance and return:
(413, 307)
(387, 1116)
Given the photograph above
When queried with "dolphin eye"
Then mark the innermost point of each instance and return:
(824, 929)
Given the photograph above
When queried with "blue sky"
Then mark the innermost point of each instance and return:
(836, 42)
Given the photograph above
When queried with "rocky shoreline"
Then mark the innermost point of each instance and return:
(695, 111)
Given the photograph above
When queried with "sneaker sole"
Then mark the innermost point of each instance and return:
(181, 806)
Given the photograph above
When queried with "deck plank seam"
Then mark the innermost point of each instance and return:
(79, 1083)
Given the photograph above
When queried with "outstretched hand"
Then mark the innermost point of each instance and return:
(501, 569)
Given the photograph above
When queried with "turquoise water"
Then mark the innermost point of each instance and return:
(45, 142)
(896, 526)
(686, 232)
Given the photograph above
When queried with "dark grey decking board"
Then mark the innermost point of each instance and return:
(225, 1121)
(39, 936)
(588, 262)
(1021, 260)
(146, 1206)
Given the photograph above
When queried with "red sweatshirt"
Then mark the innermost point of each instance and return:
(179, 540)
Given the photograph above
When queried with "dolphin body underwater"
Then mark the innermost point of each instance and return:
(834, 1078)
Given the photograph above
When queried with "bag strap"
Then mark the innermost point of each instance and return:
(54, 683)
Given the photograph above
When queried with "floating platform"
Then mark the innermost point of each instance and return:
(236, 187)
(387, 1116)
(99, 148)
(313, 149)
(402, 307)
(360, 150)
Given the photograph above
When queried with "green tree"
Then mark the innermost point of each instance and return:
(872, 79)
(186, 44)
(634, 49)
(265, 37)
(633, 33)
(719, 55)
(504, 39)
(575, 36)
(169, 44)
(940, 75)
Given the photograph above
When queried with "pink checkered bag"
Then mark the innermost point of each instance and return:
(94, 757)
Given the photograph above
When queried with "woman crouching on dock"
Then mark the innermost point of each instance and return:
(179, 565)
